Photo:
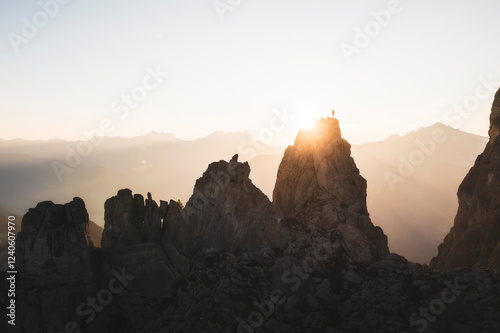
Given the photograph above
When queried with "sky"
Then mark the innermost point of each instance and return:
(71, 69)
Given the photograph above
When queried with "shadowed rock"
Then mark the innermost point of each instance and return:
(226, 213)
(56, 234)
(129, 220)
(474, 239)
(54, 258)
(281, 275)
(131, 240)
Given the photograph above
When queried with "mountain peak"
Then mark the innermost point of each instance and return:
(324, 130)
(319, 186)
(225, 214)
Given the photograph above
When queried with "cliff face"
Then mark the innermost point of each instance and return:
(474, 239)
(132, 241)
(55, 259)
(494, 131)
(129, 220)
(319, 185)
(226, 213)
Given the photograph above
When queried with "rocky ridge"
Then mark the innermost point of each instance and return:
(232, 261)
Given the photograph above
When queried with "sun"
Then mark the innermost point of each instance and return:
(306, 121)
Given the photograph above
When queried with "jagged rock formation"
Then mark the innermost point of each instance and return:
(129, 221)
(55, 259)
(319, 185)
(234, 293)
(226, 213)
(131, 240)
(474, 240)
(62, 275)
(233, 261)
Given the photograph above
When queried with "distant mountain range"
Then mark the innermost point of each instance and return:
(414, 205)
(412, 185)
(159, 163)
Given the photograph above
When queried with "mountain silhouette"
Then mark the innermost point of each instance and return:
(232, 260)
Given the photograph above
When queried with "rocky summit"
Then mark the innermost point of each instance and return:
(129, 220)
(474, 240)
(225, 214)
(319, 187)
(233, 261)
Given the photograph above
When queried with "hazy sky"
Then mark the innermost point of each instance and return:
(232, 64)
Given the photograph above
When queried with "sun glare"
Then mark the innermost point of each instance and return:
(306, 122)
